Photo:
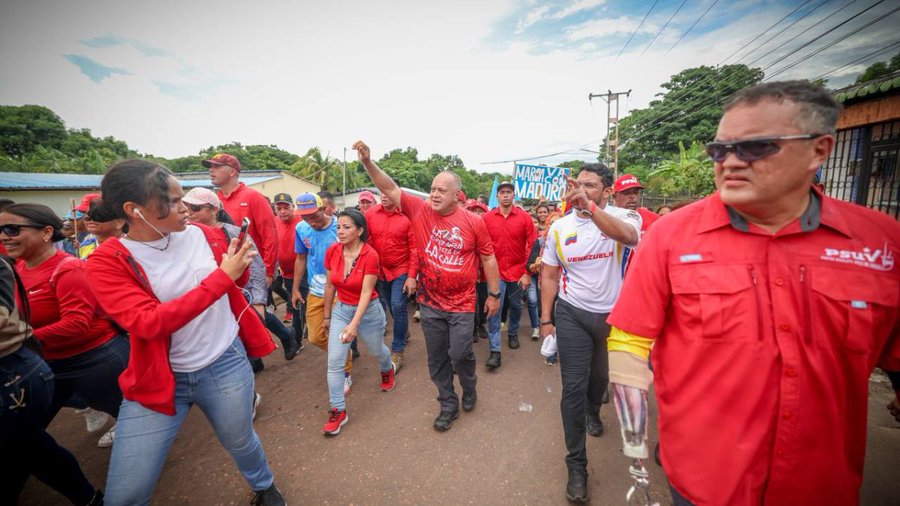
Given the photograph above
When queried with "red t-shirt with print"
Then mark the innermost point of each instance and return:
(449, 248)
(350, 288)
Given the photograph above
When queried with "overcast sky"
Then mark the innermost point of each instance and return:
(485, 80)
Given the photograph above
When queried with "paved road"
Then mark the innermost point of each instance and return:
(508, 451)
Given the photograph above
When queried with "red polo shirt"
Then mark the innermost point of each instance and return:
(285, 235)
(449, 248)
(350, 289)
(764, 346)
(390, 233)
(512, 236)
(246, 202)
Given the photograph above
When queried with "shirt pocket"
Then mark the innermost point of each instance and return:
(717, 301)
(851, 307)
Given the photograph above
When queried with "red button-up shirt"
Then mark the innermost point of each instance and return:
(513, 236)
(764, 346)
(390, 233)
(246, 202)
(285, 232)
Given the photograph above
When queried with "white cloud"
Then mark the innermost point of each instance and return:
(603, 27)
(579, 6)
(532, 17)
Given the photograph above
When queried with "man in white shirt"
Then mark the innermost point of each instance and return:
(581, 263)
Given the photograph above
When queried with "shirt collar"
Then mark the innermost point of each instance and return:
(820, 212)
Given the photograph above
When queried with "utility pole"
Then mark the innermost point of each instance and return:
(344, 186)
(612, 122)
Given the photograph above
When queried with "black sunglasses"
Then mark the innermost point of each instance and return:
(13, 229)
(196, 208)
(752, 149)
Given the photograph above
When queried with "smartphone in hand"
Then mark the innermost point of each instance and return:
(242, 236)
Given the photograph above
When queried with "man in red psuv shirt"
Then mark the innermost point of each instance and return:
(769, 304)
(241, 202)
(449, 242)
(513, 233)
(390, 234)
(285, 224)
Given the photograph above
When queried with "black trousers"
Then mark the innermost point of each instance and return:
(448, 338)
(584, 368)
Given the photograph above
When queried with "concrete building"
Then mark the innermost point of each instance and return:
(864, 165)
(57, 190)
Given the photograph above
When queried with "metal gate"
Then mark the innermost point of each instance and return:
(863, 168)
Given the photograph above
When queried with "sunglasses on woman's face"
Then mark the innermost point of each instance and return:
(195, 208)
(751, 150)
(13, 229)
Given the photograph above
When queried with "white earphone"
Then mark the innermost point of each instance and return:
(137, 211)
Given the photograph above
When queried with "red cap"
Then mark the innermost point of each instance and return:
(474, 204)
(86, 202)
(461, 195)
(367, 195)
(222, 159)
(626, 182)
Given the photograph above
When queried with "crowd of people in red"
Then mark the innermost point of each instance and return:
(750, 311)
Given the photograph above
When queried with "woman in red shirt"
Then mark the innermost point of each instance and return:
(86, 352)
(351, 270)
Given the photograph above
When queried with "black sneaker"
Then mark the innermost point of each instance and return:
(576, 488)
(97, 499)
(593, 425)
(493, 361)
(268, 497)
(292, 347)
(445, 420)
(469, 400)
(482, 332)
(257, 365)
(514, 342)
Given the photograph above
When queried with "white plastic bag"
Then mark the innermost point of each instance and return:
(548, 348)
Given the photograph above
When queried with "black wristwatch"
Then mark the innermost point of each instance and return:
(495, 295)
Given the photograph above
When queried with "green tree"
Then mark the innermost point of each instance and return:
(23, 128)
(689, 109)
(879, 69)
(688, 173)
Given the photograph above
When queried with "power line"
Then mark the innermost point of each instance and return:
(832, 44)
(774, 62)
(789, 14)
(663, 28)
(544, 156)
(815, 25)
(636, 29)
(692, 26)
(788, 27)
(860, 60)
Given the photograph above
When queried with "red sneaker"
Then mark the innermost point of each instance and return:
(336, 420)
(288, 317)
(387, 379)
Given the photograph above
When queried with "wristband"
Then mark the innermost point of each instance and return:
(546, 323)
(327, 318)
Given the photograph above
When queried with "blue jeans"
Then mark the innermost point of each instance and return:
(371, 332)
(223, 390)
(534, 303)
(92, 376)
(393, 300)
(510, 293)
(26, 390)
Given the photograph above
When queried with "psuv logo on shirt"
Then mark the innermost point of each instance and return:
(571, 239)
(878, 259)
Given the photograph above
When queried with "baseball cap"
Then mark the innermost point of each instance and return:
(86, 202)
(283, 198)
(474, 204)
(461, 195)
(506, 183)
(202, 196)
(626, 182)
(308, 203)
(222, 159)
(367, 195)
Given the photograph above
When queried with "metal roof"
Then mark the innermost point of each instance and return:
(21, 181)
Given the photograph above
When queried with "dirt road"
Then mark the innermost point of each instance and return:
(509, 450)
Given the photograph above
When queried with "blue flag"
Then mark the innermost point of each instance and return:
(492, 202)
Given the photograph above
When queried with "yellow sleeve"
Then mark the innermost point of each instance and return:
(619, 340)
